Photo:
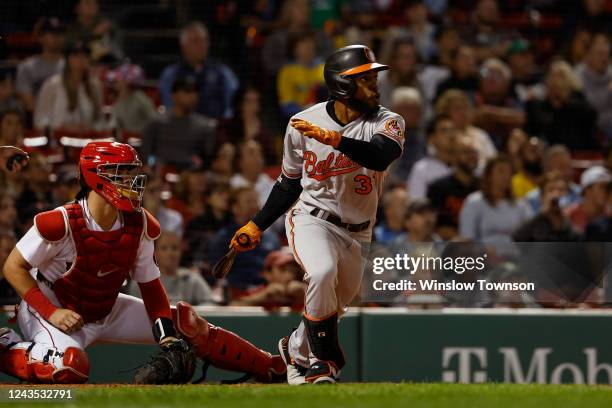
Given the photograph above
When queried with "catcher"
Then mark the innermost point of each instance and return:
(69, 268)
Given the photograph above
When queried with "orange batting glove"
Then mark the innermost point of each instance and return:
(246, 238)
(328, 137)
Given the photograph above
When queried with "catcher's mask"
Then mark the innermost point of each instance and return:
(112, 170)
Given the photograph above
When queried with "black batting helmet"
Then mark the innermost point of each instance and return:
(345, 63)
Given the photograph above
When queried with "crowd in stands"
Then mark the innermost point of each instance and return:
(507, 106)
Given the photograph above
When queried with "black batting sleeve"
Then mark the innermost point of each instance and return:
(377, 154)
(283, 195)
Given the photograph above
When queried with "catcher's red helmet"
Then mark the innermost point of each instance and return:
(111, 169)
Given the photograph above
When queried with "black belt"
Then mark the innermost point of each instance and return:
(334, 219)
(41, 278)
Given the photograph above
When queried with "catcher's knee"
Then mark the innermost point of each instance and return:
(194, 328)
(41, 363)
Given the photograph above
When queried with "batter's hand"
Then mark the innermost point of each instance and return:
(66, 320)
(328, 137)
(253, 235)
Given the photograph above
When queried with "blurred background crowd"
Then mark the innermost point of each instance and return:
(507, 105)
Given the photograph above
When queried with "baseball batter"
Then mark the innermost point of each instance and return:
(69, 268)
(334, 163)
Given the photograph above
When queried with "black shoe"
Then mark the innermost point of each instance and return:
(295, 372)
(321, 372)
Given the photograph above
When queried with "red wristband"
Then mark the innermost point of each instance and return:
(35, 298)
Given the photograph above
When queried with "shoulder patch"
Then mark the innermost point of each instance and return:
(152, 227)
(51, 225)
(393, 129)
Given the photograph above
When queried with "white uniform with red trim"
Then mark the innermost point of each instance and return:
(127, 322)
(331, 255)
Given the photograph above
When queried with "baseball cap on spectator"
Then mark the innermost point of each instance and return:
(50, 25)
(419, 206)
(77, 47)
(278, 258)
(185, 83)
(594, 175)
(130, 73)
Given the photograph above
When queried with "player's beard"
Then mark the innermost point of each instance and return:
(364, 107)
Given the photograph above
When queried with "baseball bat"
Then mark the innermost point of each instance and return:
(223, 265)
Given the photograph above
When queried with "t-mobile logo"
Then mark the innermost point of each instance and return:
(465, 357)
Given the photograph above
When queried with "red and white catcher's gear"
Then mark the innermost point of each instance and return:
(224, 349)
(41, 363)
(103, 258)
(111, 170)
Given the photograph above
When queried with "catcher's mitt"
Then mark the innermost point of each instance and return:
(175, 364)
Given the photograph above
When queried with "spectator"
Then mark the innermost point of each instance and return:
(72, 99)
(8, 214)
(215, 83)
(439, 69)
(96, 30)
(36, 194)
(247, 124)
(170, 220)
(11, 127)
(565, 116)
(420, 29)
(190, 197)
(526, 77)
(595, 75)
(550, 225)
(457, 106)
(294, 18)
(436, 165)
(180, 283)
(491, 214)
(394, 205)
(222, 164)
(528, 176)
(497, 112)
(300, 81)
(485, 32)
(132, 108)
(448, 193)
(420, 224)
(34, 71)
(464, 72)
(247, 265)
(250, 163)
(65, 185)
(595, 183)
(402, 70)
(201, 228)
(515, 141)
(558, 159)
(8, 97)
(408, 103)
(578, 45)
(182, 137)
(283, 287)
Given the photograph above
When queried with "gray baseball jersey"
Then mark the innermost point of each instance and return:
(331, 180)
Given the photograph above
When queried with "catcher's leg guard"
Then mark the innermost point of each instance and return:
(224, 349)
(41, 363)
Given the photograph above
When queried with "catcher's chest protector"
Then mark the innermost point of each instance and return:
(103, 262)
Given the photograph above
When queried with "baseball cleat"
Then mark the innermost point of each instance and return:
(322, 372)
(295, 372)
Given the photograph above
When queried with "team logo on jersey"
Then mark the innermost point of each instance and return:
(331, 166)
(394, 130)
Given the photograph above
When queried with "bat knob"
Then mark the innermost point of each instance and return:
(243, 240)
